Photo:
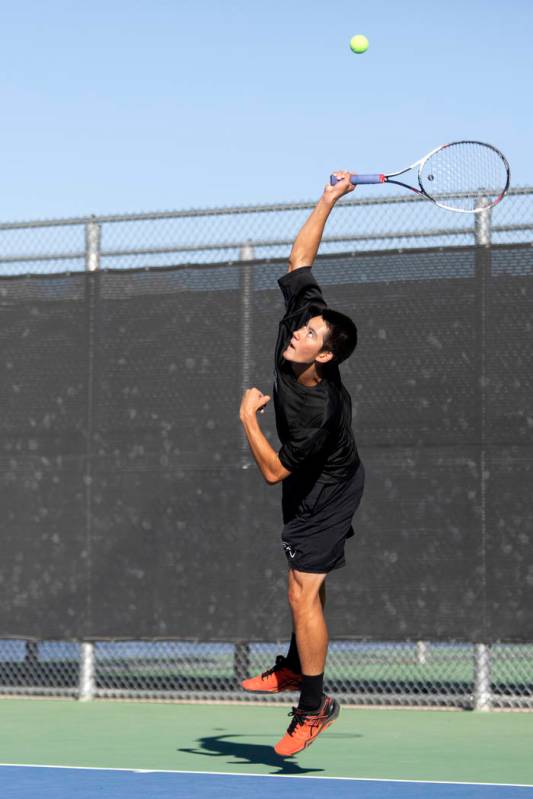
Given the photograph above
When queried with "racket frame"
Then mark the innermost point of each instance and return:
(387, 178)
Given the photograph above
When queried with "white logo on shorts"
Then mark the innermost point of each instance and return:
(288, 549)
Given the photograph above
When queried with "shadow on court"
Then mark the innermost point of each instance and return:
(227, 746)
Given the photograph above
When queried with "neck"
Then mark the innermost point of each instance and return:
(307, 374)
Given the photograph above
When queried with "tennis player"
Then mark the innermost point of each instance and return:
(319, 465)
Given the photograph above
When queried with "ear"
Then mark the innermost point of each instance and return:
(324, 357)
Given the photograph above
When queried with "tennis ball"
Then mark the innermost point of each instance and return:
(359, 44)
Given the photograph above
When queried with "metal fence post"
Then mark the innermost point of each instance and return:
(422, 652)
(483, 222)
(93, 238)
(87, 673)
(482, 229)
(482, 694)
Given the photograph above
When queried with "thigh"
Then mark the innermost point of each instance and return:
(309, 583)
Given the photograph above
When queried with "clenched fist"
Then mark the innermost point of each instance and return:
(253, 401)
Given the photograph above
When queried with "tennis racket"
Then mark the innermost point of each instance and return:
(464, 176)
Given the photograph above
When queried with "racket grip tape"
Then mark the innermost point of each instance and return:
(357, 179)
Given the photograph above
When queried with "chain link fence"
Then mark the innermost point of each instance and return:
(418, 674)
(149, 241)
(422, 674)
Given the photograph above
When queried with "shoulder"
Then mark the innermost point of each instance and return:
(297, 280)
(300, 289)
(303, 273)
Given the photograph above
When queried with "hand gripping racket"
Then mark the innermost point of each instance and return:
(464, 176)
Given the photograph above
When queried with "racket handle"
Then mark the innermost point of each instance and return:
(357, 179)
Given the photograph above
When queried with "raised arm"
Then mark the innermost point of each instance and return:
(308, 240)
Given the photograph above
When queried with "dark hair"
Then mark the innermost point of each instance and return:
(341, 338)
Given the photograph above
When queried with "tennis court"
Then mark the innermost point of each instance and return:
(57, 748)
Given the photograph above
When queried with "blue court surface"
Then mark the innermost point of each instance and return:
(28, 782)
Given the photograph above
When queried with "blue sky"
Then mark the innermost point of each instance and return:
(153, 105)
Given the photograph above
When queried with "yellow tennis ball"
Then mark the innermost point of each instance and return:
(359, 44)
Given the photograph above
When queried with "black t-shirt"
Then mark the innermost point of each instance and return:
(314, 424)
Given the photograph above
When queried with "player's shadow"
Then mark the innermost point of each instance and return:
(248, 754)
(245, 754)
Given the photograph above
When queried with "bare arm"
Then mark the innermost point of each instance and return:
(266, 458)
(308, 240)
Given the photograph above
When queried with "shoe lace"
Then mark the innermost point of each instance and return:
(280, 663)
(300, 716)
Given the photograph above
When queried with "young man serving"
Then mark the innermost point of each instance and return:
(318, 463)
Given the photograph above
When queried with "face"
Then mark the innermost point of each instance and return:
(306, 343)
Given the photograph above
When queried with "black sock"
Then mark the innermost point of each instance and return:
(311, 696)
(292, 659)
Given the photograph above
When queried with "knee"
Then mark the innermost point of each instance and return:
(301, 599)
(294, 595)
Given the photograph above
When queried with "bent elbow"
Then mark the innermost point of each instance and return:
(276, 475)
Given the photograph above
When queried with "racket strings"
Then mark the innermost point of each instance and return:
(465, 167)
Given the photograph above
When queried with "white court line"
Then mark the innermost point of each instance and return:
(273, 776)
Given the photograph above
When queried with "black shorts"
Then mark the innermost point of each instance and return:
(313, 538)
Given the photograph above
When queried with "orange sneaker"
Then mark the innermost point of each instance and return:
(279, 678)
(306, 727)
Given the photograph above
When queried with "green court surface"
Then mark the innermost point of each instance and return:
(376, 744)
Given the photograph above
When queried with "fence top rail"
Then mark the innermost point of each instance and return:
(233, 210)
(236, 245)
